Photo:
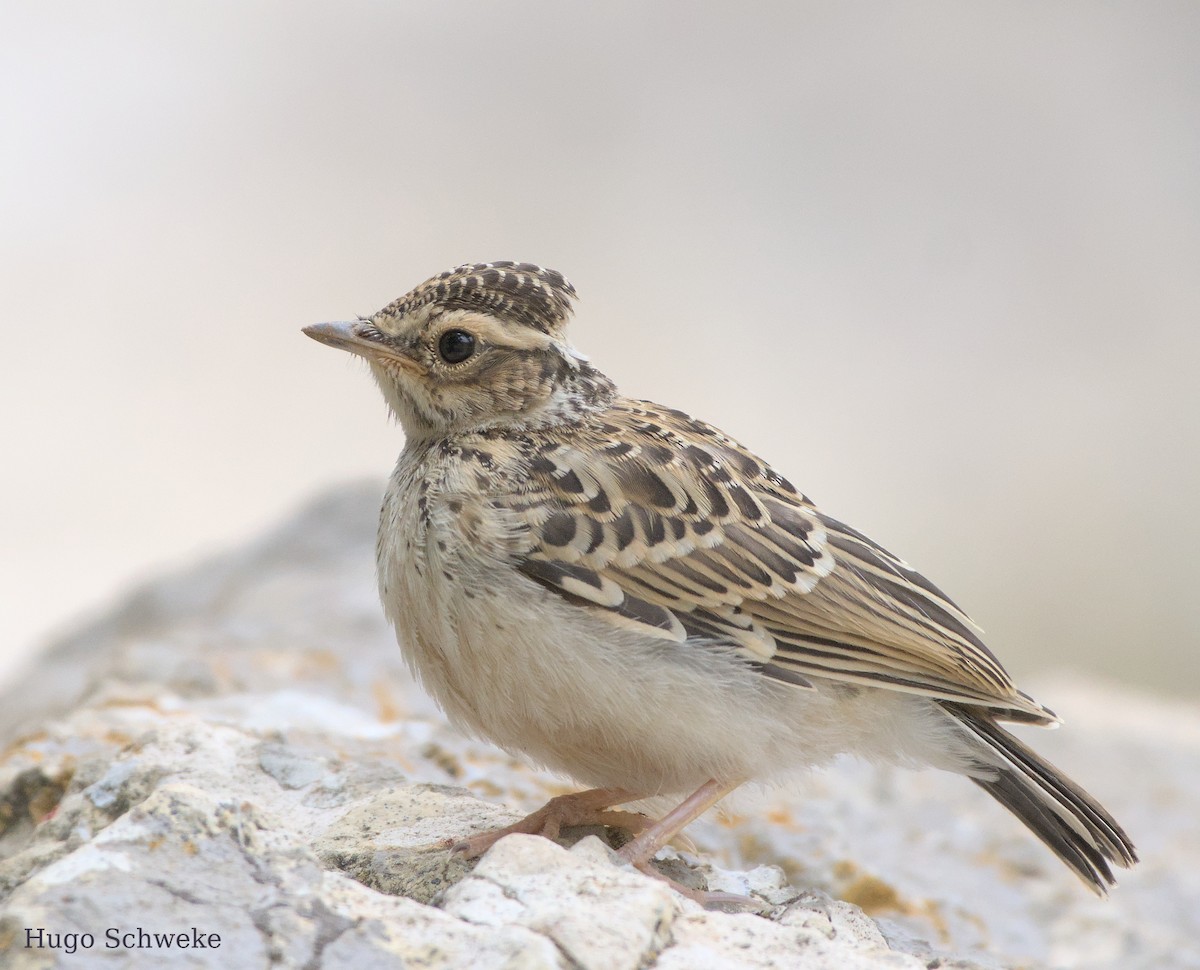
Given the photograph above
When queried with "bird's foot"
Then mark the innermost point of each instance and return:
(593, 807)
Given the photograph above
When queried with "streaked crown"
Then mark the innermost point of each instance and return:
(520, 293)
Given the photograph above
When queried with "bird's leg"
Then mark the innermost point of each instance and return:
(641, 850)
(579, 808)
(592, 807)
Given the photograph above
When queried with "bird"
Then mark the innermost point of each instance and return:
(622, 593)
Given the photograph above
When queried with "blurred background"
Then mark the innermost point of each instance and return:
(938, 262)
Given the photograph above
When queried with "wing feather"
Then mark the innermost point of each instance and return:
(662, 524)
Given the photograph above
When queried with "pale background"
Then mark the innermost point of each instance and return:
(938, 262)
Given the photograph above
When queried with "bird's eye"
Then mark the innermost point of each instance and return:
(455, 346)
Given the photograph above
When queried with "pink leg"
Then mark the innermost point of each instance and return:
(579, 808)
(642, 849)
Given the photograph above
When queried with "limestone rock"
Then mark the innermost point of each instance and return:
(238, 752)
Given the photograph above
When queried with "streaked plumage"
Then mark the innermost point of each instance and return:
(625, 593)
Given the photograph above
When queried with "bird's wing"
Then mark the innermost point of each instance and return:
(660, 523)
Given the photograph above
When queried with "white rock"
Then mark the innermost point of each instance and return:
(599, 915)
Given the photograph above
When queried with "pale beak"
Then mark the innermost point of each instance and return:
(349, 335)
(344, 336)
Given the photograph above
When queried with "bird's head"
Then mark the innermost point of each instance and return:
(478, 346)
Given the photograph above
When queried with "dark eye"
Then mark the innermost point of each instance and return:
(455, 346)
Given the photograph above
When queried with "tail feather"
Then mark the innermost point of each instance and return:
(1066, 818)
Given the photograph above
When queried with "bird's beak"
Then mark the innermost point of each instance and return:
(349, 335)
(344, 336)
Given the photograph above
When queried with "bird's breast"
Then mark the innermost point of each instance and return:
(448, 589)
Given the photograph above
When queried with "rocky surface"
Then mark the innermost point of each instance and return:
(238, 752)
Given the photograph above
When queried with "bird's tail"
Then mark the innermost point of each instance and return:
(1060, 813)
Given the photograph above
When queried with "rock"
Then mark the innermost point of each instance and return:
(235, 762)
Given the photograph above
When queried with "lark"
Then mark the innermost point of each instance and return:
(622, 593)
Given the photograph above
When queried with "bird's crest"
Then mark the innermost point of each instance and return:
(521, 293)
